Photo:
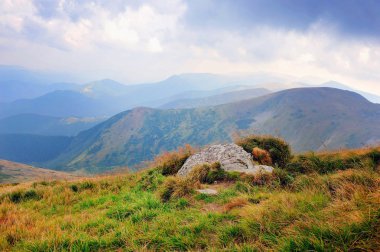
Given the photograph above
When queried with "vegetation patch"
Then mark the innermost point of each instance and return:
(330, 208)
(279, 151)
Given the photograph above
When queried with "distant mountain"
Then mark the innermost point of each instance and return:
(369, 96)
(309, 118)
(108, 97)
(20, 83)
(216, 99)
(59, 104)
(31, 149)
(12, 172)
(46, 125)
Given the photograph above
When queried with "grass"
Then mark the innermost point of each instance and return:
(334, 208)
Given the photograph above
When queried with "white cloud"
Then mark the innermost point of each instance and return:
(150, 42)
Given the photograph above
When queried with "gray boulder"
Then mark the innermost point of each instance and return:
(230, 156)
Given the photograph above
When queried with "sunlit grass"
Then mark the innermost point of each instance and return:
(338, 210)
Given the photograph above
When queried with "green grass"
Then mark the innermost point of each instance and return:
(291, 210)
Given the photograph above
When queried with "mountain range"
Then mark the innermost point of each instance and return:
(64, 125)
(308, 118)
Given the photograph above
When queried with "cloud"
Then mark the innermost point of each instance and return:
(59, 24)
(139, 41)
(351, 18)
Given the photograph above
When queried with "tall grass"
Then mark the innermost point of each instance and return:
(334, 208)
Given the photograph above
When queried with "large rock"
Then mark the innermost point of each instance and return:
(230, 156)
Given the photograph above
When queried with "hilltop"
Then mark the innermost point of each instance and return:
(313, 202)
(12, 172)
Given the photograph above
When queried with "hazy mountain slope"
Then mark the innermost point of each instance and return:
(58, 103)
(29, 149)
(313, 118)
(369, 96)
(108, 97)
(46, 125)
(309, 118)
(216, 99)
(20, 83)
(12, 172)
(139, 134)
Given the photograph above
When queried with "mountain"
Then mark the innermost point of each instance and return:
(108, 97)
(31, 149)
(334, 84)
(59, 104)
(21, 83)
(216, 99)
(46, 125)
(12, 172)
(309, 118)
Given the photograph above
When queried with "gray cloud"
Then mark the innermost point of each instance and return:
(351, 17)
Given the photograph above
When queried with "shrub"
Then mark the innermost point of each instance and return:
(277, 148)
(74, 188)
(170, 162)
(262, 156)
(323, 163)
(18, 196)
(87, 185)
(150, 180)
(207, 173)
(374, 155)
(175, 187)
(284, 178)
(235, 203)
(15, 197)
(31, 195)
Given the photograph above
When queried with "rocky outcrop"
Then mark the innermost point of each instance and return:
(230, 156)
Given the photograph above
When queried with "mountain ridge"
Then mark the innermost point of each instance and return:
(309, 118)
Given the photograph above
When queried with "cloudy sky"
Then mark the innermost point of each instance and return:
(137, 41)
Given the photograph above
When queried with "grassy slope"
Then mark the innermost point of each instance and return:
(331, 210)
(309, 119)
(218, 99)
(45, 125)
(12, 172)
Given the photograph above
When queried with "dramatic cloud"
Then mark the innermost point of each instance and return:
(139, 41)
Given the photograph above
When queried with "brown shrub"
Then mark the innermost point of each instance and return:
(175, 187)
(170, 162)
(259, 179)
(207, 173)
(235, 203)
(278, 149)
(262, 156)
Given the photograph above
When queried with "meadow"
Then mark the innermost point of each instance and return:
(315, 202)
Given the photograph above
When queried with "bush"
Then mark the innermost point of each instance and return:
(18, 196)
(170, 162)
(150, 180)
(277, 148)
(323, 163)
(87, 185)
(74, 188)
(374, 155)
(207, 173)
(284, 178)
(175, 187)
(262, 156)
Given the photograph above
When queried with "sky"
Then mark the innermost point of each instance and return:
(138, 41)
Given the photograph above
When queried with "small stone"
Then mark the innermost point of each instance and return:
(208, 191)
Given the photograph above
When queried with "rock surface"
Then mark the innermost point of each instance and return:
(208, 191)
(230, 156)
